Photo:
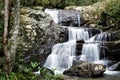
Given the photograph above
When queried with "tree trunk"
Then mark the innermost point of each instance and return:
(15, 33)
(10, 51)
(7, 65)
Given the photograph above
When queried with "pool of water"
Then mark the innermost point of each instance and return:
(108, 75)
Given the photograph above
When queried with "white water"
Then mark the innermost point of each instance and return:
(103, 36)
(78, 34)
(56, 16)
(91, 52)
(53, 14)
(62, 54)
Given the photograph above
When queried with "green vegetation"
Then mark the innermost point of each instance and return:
(24, 71)
(21, 71)
(57, 3)
(111, 16)
(80, 2)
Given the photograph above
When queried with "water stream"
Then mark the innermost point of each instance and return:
(62, 54)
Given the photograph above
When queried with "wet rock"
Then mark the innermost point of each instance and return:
(116, 35)
(115, 67)
(80, 41)
(46, 70)
(113, 51)
(109, 49)
(79, 46)
(69, 18)
(93, 31)
(108, 36)
(85, 69)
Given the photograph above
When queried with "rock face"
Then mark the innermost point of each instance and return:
(69, 18)
(113, 51)
(111, 48)
(92, 12)
(85, 69)
(38, 32)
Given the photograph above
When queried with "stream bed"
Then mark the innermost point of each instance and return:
(108, 75)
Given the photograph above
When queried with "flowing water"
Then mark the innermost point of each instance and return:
(91, 52)
(62, 54)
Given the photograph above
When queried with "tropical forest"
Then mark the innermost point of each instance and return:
(59, 39)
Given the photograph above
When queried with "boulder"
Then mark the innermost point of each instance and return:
(38, 32)
(85, 69)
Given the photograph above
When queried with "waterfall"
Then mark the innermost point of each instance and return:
(105, 36)
(53, 14)
(65, 17)
(91, 52)
(62, 54)
(78, 34)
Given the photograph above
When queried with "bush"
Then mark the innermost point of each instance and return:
(22, 71)
(44, 3)
(80, 2)
(57, 3)
(112, 14)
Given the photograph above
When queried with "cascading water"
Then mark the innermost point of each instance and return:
(65, 17)
(63, 54)
(78, 34)
(91, 52)
(53, 14)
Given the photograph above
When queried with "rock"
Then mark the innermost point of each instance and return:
(69, 18)
(113, 51)
(109, 49)
(115, 67)
(108, 36)
(80, 41)
(38, 32)
(85, 69)
(40, 58)
(93, 31)
(79, 46)
(91, 13)
(46, 70)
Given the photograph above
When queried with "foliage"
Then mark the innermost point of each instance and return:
(23, 72)
(57, 3)
(80, 2)
(112, 15)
